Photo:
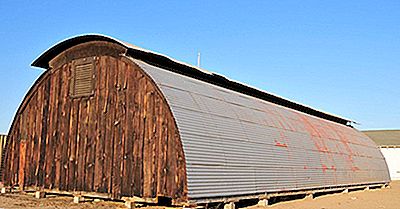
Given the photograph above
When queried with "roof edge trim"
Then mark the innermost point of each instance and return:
(43, 60)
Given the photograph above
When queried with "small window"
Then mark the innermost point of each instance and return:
(81, 83)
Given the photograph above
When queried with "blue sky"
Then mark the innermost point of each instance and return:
(342, 57)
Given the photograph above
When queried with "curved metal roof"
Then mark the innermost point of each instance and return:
(235, 144)
(185, 69)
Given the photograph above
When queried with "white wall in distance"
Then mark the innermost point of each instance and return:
(392, 156)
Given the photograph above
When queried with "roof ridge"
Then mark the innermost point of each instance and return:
(183, 68)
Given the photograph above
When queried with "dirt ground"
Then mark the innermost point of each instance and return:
(388, 198)
(18, 201)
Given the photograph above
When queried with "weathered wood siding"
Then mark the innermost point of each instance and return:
(3, 139)
(123, 140)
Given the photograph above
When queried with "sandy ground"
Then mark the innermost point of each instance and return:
(18, 201)
(388, 198)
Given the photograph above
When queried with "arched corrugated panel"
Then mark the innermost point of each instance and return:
(236, 144)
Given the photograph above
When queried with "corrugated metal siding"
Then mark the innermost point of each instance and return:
(3, 139)
(236, 144)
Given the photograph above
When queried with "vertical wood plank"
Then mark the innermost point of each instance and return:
(116, 181)
(22, 160)
(81, 144)
(55, 131)
(161, 131)
(12, 163)
(43, 135)
(154, 141)
(139, 173)
(92, 131)
(30, 144)
(127, 181)
(65, 138)
(50, 135)
(36, 138)
(137, 145)
(110, 118)
(72, 147)
(101, 132)
(58, 138)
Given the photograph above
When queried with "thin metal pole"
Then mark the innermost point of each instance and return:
(198, 59)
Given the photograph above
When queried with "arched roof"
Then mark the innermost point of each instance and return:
(236, 144)
(185, 69)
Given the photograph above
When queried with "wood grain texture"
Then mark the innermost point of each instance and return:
(3, 139)
(122, 140)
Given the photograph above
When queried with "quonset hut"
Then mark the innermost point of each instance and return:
(112, 118)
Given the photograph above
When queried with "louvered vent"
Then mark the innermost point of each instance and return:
(82, 78)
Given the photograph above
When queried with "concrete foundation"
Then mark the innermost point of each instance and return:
(40, 194)
(130, 204)
(78, 199)
(5, 190)
(263, 202)
(310, 196)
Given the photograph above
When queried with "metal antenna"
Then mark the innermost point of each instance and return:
(198, 59)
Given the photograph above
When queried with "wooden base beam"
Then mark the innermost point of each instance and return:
(141, 200)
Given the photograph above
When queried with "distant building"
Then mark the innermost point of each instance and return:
(389, 143)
